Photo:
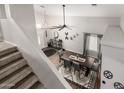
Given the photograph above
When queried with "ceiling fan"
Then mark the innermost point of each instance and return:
(60, 27)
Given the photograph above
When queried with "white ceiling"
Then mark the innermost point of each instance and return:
(101, 10)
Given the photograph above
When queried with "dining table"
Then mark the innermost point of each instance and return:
(88, 62)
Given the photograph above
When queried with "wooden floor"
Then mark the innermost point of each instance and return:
(55, 60)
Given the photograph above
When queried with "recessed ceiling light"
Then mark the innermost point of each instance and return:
(94, 4)
(42, 6)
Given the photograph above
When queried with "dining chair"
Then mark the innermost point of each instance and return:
(60, 53)
(83, 70)
(76, 67)
(68, 68)
(67, 64)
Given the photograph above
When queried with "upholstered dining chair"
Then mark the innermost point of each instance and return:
(76, 67)
(68, 68)
(67, 64)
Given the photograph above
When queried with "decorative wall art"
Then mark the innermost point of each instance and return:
(66, 33)
(71, 38)
(77, 34)
(118, 85)
(66, 38)
(74, 36)
(108, 74)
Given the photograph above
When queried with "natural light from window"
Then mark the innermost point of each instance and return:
(93, 43)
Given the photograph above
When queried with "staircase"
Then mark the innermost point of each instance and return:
(15, 73)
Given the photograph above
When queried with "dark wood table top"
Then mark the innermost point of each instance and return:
(80, 60)
(88, 63)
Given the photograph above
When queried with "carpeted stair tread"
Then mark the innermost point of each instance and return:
(6, 48)
(16, 78)
(15, 73)
(13, 67)
(29, 83)
(37, 85)
(9, 58)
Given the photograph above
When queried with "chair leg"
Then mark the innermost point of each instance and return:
(79, 74)
(87, 72)
(74, 71)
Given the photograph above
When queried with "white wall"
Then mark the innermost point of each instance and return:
(101, 10)
(39, 17)
(2, 12)
(26, 20)
(113, 61)
(112, 56)
(80, 25)
(1, 35)
(27, 44)
(2, 17)
(122, 23)
(114, 36)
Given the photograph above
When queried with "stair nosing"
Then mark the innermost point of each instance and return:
(14, 68)
(10, 58)
(26, 84)
(10, 55)
(7, 72)
(16, 78)
(12, 65)
(8, 51)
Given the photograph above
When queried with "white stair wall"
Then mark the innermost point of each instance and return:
(14, 71)
(41, 65)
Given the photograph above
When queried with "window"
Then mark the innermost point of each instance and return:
(93, 43)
